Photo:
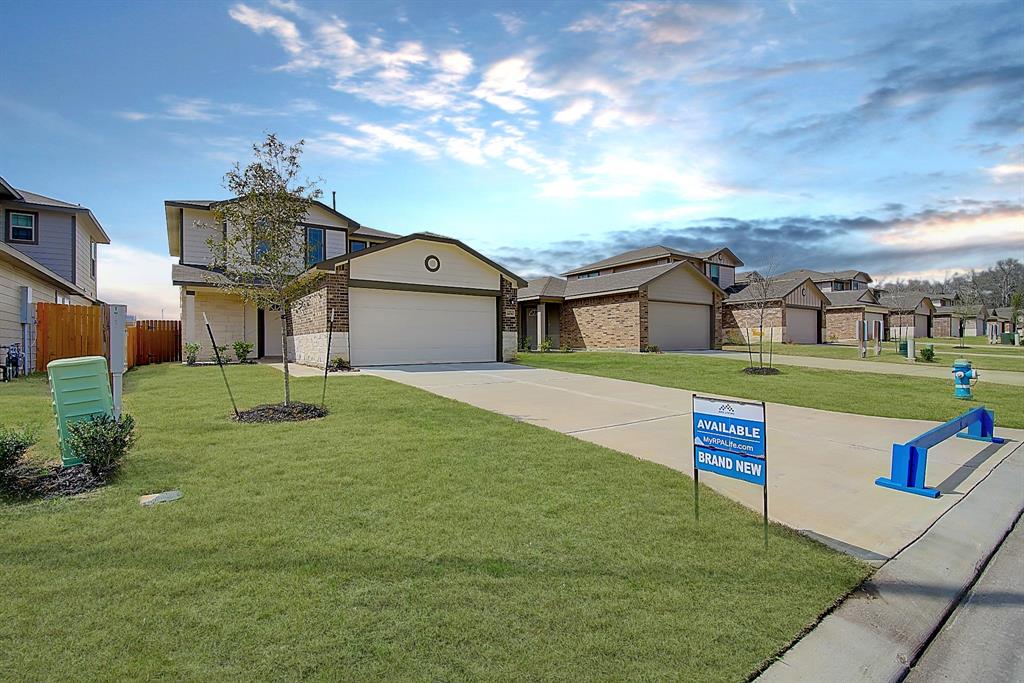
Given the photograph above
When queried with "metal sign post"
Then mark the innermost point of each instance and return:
(729, 439)
(220, 364)
(327, 357)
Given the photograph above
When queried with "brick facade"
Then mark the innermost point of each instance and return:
(310, 314)
(841, 323)
(605, 322)
(942, 326)
(718, 335)
(738, 318)
(509, 308)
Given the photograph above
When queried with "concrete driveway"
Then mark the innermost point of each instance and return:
(821, 465)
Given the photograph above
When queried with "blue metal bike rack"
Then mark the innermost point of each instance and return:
(910, 459)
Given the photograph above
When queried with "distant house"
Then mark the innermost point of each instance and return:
(48, 254)
(1003, 315)
(651, 296)
(831, 281)
(910, 313)
(960, 321)
(794, 311)
(847, 308)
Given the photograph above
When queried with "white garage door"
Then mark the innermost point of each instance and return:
(871, 318)
(395, 327)
(675, 327)
(920, 325)
(802, 325)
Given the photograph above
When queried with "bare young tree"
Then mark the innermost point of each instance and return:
(761, 284)
(259, 245)
(899, 296)
(966, 306)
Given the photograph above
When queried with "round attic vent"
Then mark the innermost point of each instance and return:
(432, 263)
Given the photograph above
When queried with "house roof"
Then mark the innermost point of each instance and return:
(209, 204)
(910, 300)
(182, 274)
(543, 287)
(645, 254)
(365, 231)
(777, 289)
(1005, 312)
(971, 311)
(34, 199)
(629, 280)
(823, 276)
(851, 298)
(331, 263)
(13, 256)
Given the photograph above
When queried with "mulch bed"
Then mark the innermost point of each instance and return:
(52, 481)
(762, 371)
(278, 412)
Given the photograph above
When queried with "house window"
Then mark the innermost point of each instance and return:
(21, 226)
(315, 245)
(584, 276)
(259, 250)
(92, 257)
(355, 245)
(838, 286)
(714, 273)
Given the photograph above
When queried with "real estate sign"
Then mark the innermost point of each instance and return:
(728, 438)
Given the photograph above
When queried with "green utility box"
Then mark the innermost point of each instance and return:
(1006, 338)
(903, 349)
(80, 388)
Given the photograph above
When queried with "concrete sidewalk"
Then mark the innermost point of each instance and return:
(908, 369)
(821, 465)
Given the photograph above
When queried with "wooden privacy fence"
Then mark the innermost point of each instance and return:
(64, 331)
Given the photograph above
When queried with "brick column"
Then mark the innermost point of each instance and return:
(509, 319)
(644, 331)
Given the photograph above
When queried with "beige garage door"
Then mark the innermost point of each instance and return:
(920, 325)
(676, 327)
(802, 325)
(394, 327)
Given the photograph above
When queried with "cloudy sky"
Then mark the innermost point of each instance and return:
(887, 137)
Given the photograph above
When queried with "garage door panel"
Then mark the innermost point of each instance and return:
(395, 327)
(802, 325)
(678, 326)
(920, 325)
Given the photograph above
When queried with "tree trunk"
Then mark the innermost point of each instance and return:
(284, 356)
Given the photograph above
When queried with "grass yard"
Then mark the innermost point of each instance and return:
(863, 393)
(403, 537)
(944, 356)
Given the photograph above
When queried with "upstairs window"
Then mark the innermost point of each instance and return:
(356, 245)
(259, 249)
(584, 276)
(22, 227)
(316, 246)
(92, 257)
(714, 273)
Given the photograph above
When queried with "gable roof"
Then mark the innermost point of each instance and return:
(972, 311)
(210, 204)
(543, 287)
(629, 280)
(777, 289)
(910, 300)
(364, 231)
(7, 191)
(823, 276)
(331, 263)
(851, 298)
(11, 255)
(646, 254)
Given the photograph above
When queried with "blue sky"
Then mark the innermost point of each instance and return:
(882, 136)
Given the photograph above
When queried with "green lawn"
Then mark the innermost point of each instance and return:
(404, 537)
(944, 356)
(863, 393)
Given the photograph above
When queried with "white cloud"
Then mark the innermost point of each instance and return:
(506, 84)
(133, 115)
(672, 213)
(1005, 172)
(510, 22)
(617, 175)
(575, 111)
(286, 32)
(139, 278)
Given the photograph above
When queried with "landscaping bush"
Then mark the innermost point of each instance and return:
(102, 442)
(191, 353)
(526, 344)
(651, 348)
(242, 350)
(14, 443)
(928, 354)
(222, 350)
(339, 364)
(546, 345)
(565, 348)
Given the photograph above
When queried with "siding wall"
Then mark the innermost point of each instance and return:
(83, 261)
(55, 232)
(12, 278)
(681, 285)
(805, 295)
(405, 263)
(230, 320)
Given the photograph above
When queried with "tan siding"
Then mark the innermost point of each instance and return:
(198, 226)
(83, 261)
(805, 295)
(405, 263)
(12, 279)
(230, 319)
(680, 284)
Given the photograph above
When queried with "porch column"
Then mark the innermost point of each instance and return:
(542, 323)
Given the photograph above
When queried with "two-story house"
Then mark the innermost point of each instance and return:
(654, 296)
(48, 254)
(422, 298)
(831, 281)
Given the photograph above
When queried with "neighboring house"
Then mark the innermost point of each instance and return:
(847, 308)
(48, 254)
(960, 321)
(831, 281)
(1004, 315)
(653, 296)
(943, 299)
(415, 299)
(794, 311)
(911, 314)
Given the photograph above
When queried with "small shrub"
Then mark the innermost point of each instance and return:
(526, 344)
(102, 442)
(222, 350)
(191, 353)
(651, 348)
(242, 350)
(546, 345)
(928, 354)
(565, 348)
(339, 364)
(14, 443)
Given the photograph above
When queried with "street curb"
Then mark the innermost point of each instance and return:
(879, 631)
